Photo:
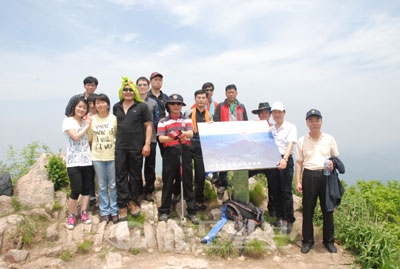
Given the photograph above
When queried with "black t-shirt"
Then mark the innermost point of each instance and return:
(131, 132)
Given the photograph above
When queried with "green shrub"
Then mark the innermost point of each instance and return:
(255, 249)
(362, 226)
(27, 229)
(66, 255)
(57, 171)
(224, 249)
(15, 203)
(209, 192)
(256, 194)
(85, 246)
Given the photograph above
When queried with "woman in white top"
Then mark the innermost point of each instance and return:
(77, 159)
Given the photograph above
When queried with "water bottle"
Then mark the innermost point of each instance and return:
(327, 172)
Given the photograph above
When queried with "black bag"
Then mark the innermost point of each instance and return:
(241, 213)
(6, 187)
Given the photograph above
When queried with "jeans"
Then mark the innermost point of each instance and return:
(105, 171)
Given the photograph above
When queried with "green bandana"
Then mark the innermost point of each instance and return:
(126, 81)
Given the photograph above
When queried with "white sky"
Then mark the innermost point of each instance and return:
(341, 57)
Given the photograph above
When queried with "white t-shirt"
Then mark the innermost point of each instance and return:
(78, 152)
(285, 134)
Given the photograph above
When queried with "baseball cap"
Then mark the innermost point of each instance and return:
(155, 74)
(278, 106)
(176, 98)
(313, 112)
(261, 106)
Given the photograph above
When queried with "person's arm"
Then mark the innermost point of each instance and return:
(149, 131)
(283, 162)
(299, 171)
(76, 136)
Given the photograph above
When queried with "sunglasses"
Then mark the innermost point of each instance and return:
(175, 104)
(209, 90)
(127, 90)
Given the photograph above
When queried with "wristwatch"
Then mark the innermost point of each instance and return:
(285, 158)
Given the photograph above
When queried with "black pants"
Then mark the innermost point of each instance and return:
(199, 172)
(314, 186)
(150, 170)
(281, 190)
(128, 175)
(171, 173)
(79, 177)
(271, 200)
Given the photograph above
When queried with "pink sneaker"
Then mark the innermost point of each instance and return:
(85, 218)
(70, 222)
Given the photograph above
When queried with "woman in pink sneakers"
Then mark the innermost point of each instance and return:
(78, 158)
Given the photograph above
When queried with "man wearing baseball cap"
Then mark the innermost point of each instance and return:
(174, 133)
(285, 135)
(312, 151)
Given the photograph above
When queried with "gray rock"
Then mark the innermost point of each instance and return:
(119, 236)
(16, 255)
(150, 236)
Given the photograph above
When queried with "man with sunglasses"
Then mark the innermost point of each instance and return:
(134, 124)
(174, 132)
(211, 104)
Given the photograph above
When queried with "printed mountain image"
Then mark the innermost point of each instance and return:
(239, 151)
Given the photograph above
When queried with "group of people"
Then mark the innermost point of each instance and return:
(114, 146)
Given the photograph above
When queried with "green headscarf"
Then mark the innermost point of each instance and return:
(126, 81)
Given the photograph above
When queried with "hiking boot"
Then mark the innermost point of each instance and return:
(200, 206)
(176, 198)
(123, 214)
(85, 218)
(163, 217)
(134, 209)
(70, 222)
(115, 219)
(105, 218)
(149, 197)
(194, 219)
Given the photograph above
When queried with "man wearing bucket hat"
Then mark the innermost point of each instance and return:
(174, 132)
(312, 151)
(285, 135)
(134, 125)
(264, 113)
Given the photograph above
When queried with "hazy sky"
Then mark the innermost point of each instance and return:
(342, 57)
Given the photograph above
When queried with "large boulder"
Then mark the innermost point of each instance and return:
(35, 188)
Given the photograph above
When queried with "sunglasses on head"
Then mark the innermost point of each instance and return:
(175, 104)
(127, 90)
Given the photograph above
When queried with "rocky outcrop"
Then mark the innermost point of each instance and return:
(35, 189)
(36, 193)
